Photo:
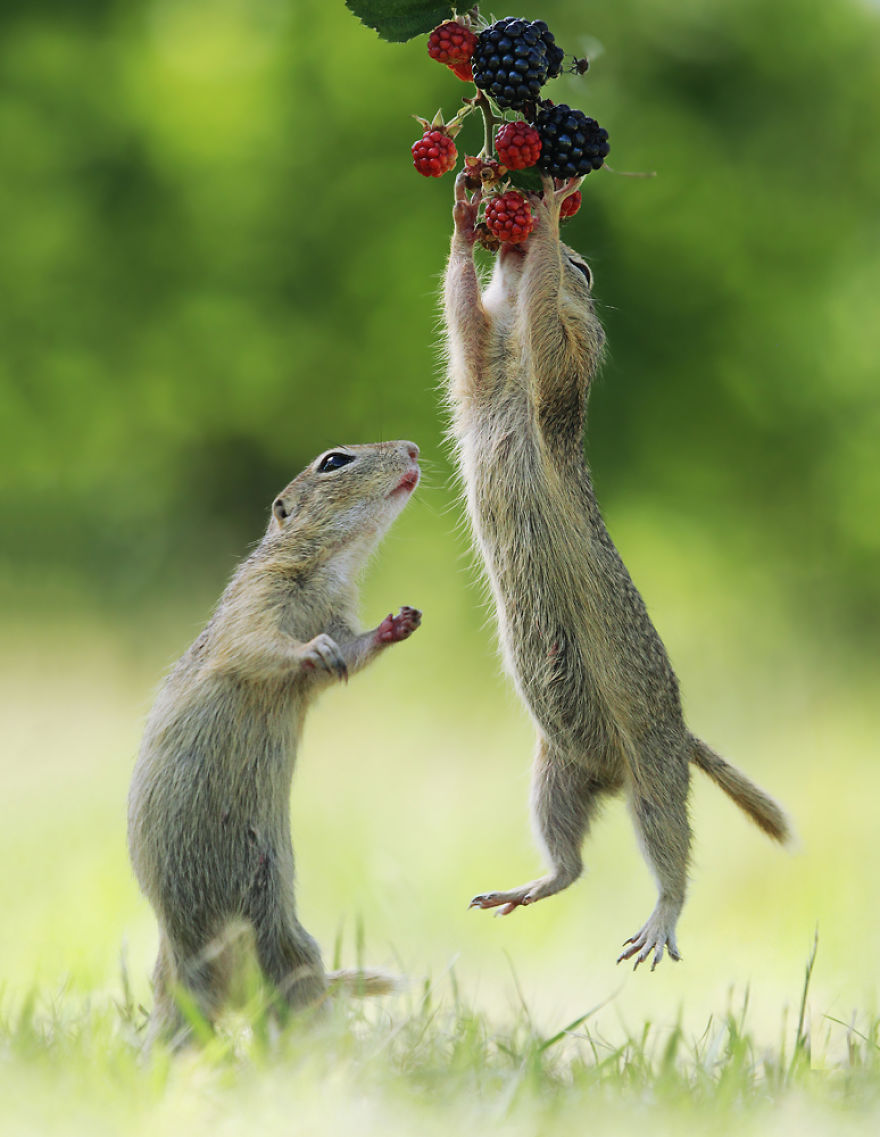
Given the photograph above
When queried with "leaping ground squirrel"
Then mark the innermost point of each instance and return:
(574, 631)
(209, 808)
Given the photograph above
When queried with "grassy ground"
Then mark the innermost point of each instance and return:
(428, 1063)
(411, 796)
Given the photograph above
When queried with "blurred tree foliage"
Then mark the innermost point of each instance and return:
(215, 259)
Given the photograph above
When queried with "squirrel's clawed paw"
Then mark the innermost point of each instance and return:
(393, 629)
(466, 208)
(505, 902)
(554, 193)
(323, 654)
(658, 934)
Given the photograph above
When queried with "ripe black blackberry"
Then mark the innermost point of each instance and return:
(555, 54)
(571, 143)
(513, 60)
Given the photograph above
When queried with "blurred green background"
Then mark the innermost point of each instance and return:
(216, 260)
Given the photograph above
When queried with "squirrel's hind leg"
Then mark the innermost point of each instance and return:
(186, 983)
(564, 799)
(289, 957)
(658, 800)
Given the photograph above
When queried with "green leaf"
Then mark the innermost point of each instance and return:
(527, 180)
(400, 20)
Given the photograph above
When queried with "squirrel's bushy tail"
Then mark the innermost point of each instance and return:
(762, 809)
(365, 983)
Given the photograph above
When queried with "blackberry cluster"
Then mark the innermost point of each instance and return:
(571, 143)
(513, 60)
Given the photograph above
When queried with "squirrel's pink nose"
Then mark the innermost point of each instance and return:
(412, 450)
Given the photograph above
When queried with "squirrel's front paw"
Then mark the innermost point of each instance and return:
(465, 210)
(393, 629)
(323, 654)
(555, 191)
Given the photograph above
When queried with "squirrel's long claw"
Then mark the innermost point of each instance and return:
(568, 187)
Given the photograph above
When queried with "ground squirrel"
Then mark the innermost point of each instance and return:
(209, 811)
(574, 631)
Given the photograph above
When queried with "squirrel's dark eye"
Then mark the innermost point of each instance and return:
(581, 267)
(334, 461)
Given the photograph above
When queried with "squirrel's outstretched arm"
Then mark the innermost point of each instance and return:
(564, 336)
(541, 294)
(269, 653)
(360, 650)
(466, 321)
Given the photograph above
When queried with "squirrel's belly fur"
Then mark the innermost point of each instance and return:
(556, 581)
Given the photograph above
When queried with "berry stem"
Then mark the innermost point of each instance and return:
(490, 121)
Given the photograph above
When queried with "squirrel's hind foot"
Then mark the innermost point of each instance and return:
(526, 894)
(656, 936)
(505, 902)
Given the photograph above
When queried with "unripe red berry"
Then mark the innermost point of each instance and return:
(509, 217)
(463, 71)
(518, 145)
(451, 42)
(571, 205)
(434, 153)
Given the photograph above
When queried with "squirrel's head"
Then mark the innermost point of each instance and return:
(346, 497)
(578, 277)
(511, 263)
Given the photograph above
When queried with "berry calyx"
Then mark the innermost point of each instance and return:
(571, 143)
(483, 173)
(518, 145)
(485, 238)
(434, 154)
(509, 217)
(451, 43)
(570, 205)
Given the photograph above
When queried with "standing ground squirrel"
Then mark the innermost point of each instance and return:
(209, 807)
(574, 631)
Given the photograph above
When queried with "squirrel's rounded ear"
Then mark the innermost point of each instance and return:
(279, 509)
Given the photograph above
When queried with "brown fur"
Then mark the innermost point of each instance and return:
(574, 631)
(209, 822)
